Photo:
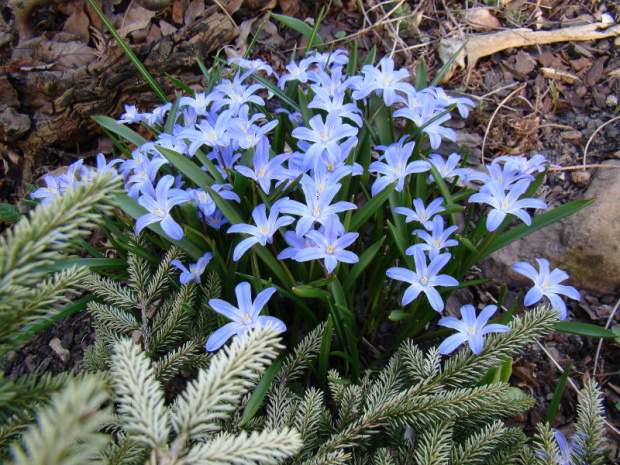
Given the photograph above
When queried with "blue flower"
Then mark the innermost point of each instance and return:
(436, 241)
(264, 230)
(447, 168)
(424, 278)
(131, 115)
(265, 170)
(317, 209)
(195, 269)
(394, 166)
(144, 175)
(470, 329)
(52, 188)
(323, 136)
(333, 102)
(211, 133)
(384, 80)
(506, 203)
(244, 318)
(159, 207)
(296, 72)
(328, 245)
(422, 214)
(546, 284)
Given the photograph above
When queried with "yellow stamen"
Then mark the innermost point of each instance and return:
(330, 249)
(192, 269)
(263, 230)
(424, 281)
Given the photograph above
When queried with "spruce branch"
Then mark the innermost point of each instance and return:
(305, 352)
(140, 396)
(169, 365)
(66, 429)
(114, 318)
(590, 423)
(478, 445)
(309, 414)
(39, 240)
(113, 292)
(467, 368)
(172, 320)
(265, 447)
(211, 398)
(382, 456)
(433, 446)
(159, 284)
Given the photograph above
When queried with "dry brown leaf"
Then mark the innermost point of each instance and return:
(481, 19)
(135, 18)
(78, 24)
(64, 52)
(166, 28)
(289, 7)
(233, 6)
(178, 9)
(260, 4)
(195, 9)
(555, 74)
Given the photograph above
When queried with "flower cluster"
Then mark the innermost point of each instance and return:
(288, 174)
(76, 174)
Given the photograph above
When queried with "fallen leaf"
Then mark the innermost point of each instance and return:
(135, 18)
(525, 64)
(78, 24)
(166, 28)
(481, 19)
(596, 72)
(178, 9)
(446, 50)
(233, 6)
(289, 7)
(260, 4)
(59, 350)
(195, 9)
(581, 63)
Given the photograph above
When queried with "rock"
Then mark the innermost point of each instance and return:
(586, 245)
(580, 178)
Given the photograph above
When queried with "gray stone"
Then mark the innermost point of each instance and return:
(586, 244)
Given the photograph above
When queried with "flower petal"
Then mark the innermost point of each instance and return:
(220, 336)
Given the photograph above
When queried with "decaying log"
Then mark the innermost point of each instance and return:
(52, 86)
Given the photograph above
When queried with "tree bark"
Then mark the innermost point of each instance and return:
(54, 85)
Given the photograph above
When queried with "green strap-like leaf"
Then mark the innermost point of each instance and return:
(299, 26)
(364, 260)
(120, 130)
(361, 216)
(583, 329)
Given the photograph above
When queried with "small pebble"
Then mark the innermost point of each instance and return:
(571, 135)
(580, 178)
(611, 100)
